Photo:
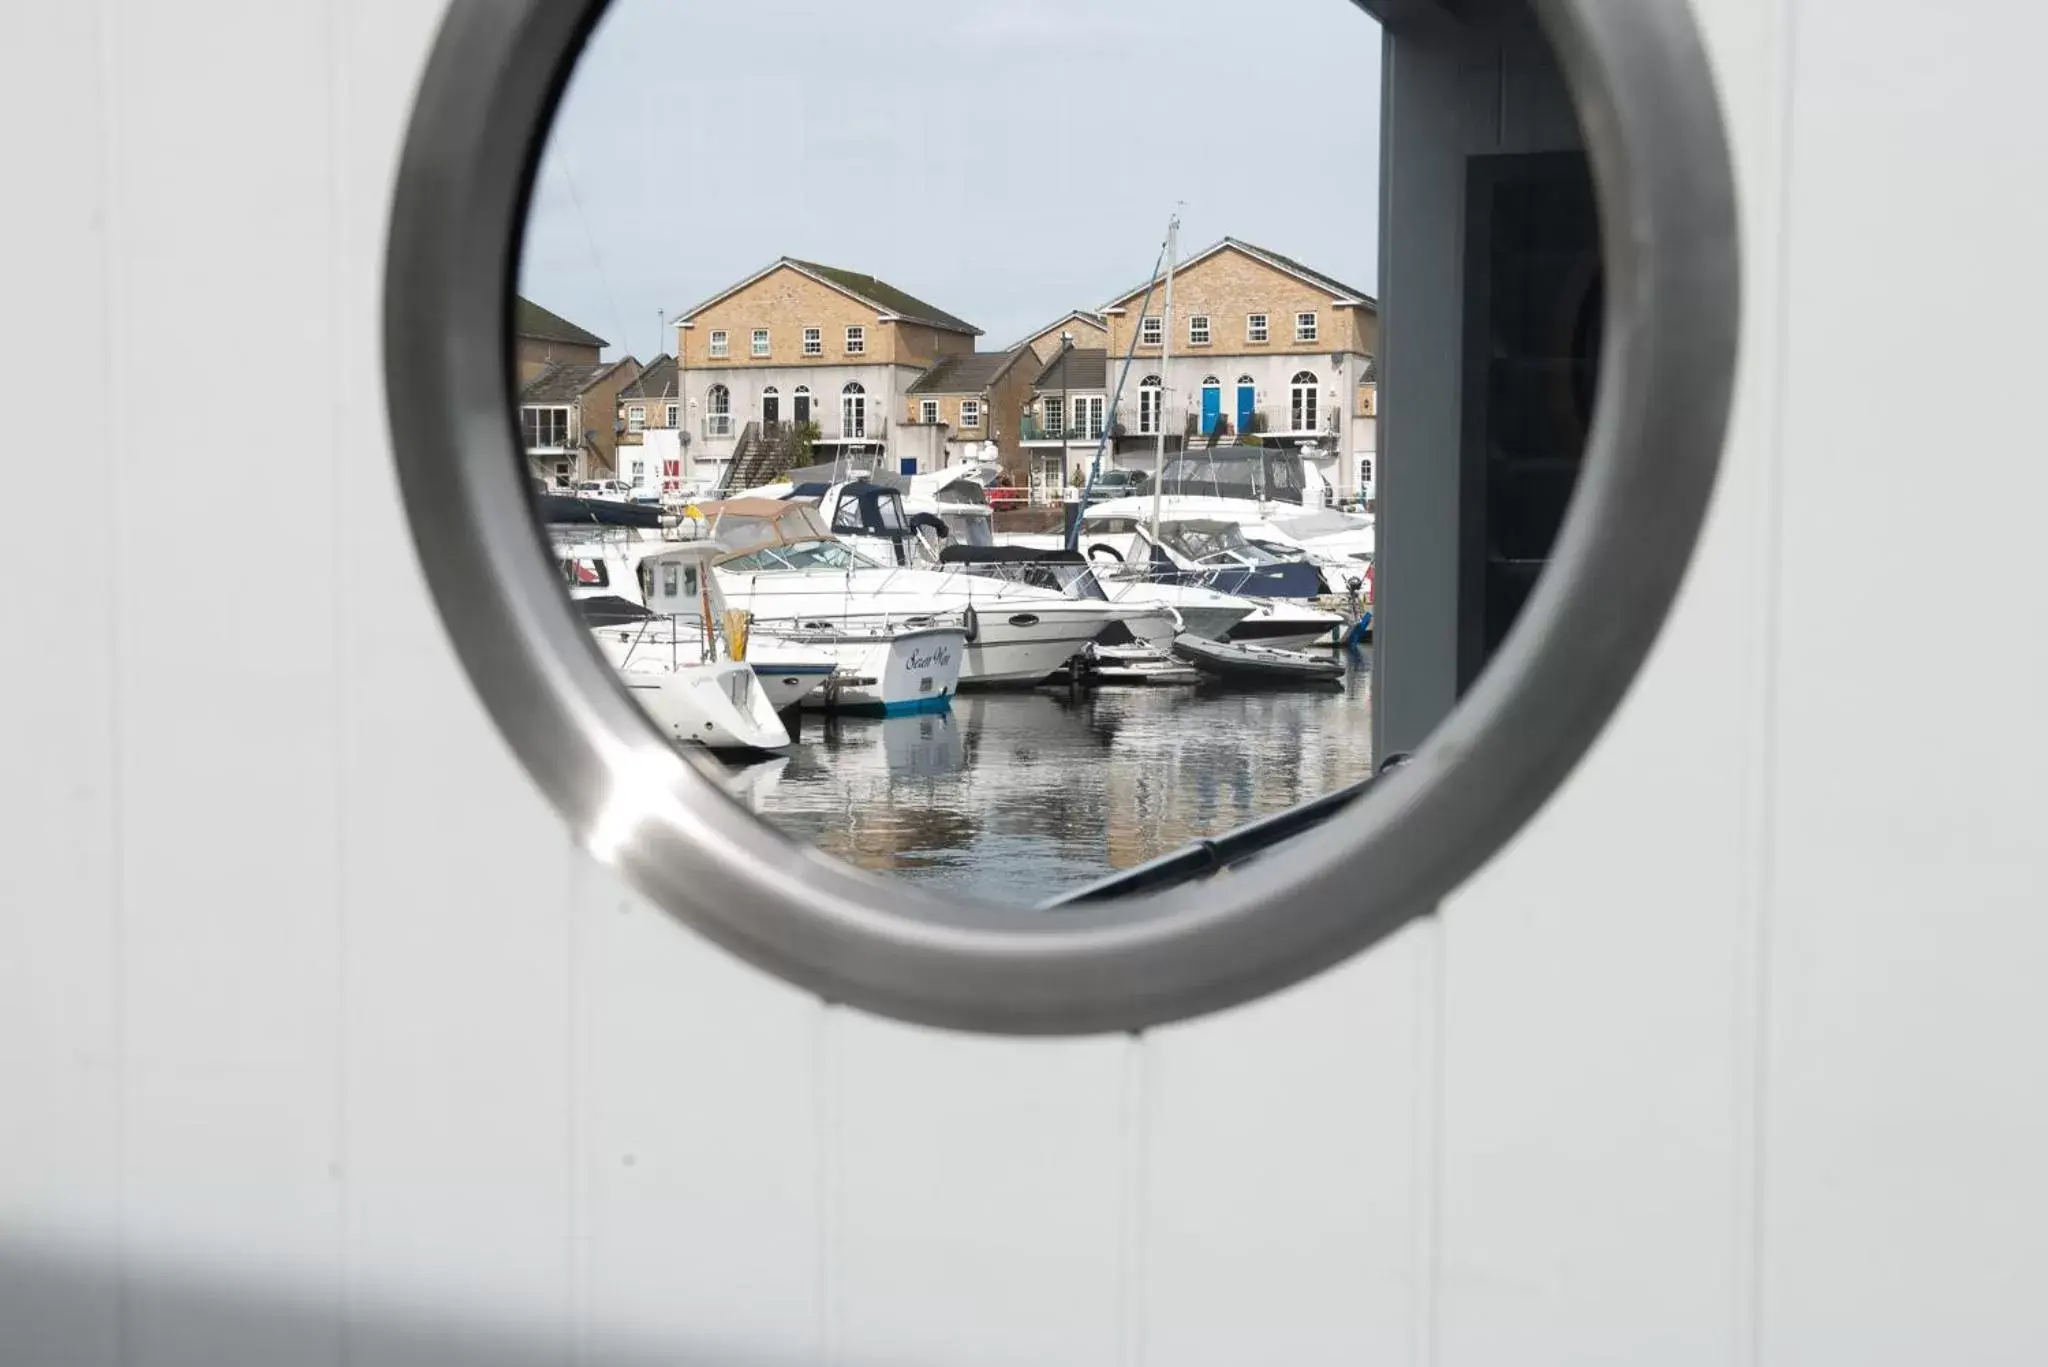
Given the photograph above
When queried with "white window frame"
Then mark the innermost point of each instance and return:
(1257, 329)
(717, 421)
(814, 341)
(1152, 330)
(970, 414)
(1088, 414)
(1305, 400)
(1151, 408)
(928, 411)
(763, 344)
(672, 412)
(721, 343)
(636, 418)
(535, 444)
(1198, 330)
(856, 340)
(1307, 327)
(1055, 421)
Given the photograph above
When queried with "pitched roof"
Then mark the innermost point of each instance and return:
(1289, 265)
(531, 320)
(1085, 315)
(967, 374)
(658, 381)
(1087, 368)
(566, 383)
(880, 295)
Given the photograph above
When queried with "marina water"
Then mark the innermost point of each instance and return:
(1017, 797)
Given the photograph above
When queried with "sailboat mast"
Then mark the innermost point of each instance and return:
(1165, 374)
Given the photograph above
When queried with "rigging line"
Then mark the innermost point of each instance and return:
(596, 258)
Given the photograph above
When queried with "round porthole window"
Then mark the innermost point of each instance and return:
(1586, 253)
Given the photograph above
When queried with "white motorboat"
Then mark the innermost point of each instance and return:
(870, 667)
(695, 684)
(785, 566)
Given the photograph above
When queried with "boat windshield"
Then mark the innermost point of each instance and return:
(1062, 577)
(1246, 472)
(967, 526)
(1216, 543)
(804, 555)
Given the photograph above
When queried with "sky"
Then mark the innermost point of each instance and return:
(1004, 160)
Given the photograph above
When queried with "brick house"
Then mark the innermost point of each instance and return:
(1090, 331)
(541, 339)
(1261, 340)
(976, 399)
(651, 403)
(1069, 410)
(802, 342)
(568, 419)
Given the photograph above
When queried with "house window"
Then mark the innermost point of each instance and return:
(669, 414)
(1255, 327)
(639, 473)
(718, 412)
(856, 341)
(970, 412)
(814, 341)
(1088, 416)
(1198, 330)
(1304, 327)
(545, 429)
(1151, 403)
(636, 418)
(928, 411)
(1151, 331)
(718, 343)
(853, 411)
(1305, 391)
(760, 341)
(1055, 417)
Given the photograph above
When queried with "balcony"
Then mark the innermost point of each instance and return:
(871, 427)
(1032, 432)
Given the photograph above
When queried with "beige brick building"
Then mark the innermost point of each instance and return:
(802, 342)
(541, 339)
(1259, 340)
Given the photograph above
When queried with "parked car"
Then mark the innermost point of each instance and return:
(1121, 482)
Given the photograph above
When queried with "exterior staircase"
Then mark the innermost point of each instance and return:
(742, 471)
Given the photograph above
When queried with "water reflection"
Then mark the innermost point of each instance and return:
(1018, 797)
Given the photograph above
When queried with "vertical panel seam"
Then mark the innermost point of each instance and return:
(1136, 1127)
(341, 339)
(113, 300)
(1752, 1064)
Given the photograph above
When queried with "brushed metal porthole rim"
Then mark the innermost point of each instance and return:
(1652, 123)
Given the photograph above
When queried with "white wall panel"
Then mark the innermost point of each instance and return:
(61, 1077)
(319, 1042)
(1907, 1108)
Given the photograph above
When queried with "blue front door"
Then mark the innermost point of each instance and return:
(909, 464)
(1247, 401)
(1212, 407)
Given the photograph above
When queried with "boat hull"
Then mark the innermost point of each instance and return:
(718, 706)
(889, 672)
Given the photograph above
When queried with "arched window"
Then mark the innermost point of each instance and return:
(853, 411)
(1212, 404)
(718, 412)
(1151, 403)
(1306, 389)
